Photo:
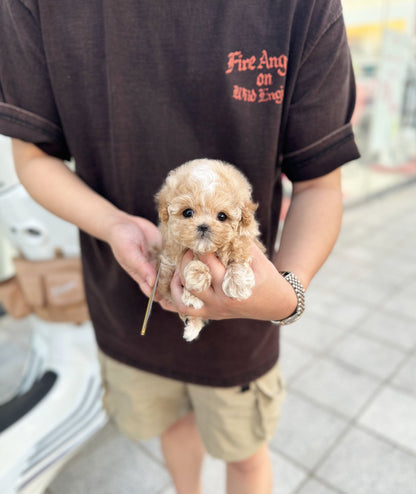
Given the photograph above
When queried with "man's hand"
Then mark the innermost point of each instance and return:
(135, 242)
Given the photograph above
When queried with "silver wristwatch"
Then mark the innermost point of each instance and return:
(300, 294)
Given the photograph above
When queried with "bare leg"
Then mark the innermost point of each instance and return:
(184, 453)
(251, 476)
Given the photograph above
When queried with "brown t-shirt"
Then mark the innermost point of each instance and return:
(133, 89)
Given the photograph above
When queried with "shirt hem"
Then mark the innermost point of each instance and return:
(188, 377)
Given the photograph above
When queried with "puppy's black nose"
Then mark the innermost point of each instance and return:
(203, 228)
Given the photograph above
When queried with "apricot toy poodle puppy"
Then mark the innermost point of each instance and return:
(206, 206)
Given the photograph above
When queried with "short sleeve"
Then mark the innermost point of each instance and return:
(318, 136)
(27, 106)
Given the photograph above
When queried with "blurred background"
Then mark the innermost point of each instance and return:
(383, 45)
(348, 425)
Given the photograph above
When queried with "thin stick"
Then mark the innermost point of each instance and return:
(150, 302)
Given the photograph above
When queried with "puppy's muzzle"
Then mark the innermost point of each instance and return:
(203, 230)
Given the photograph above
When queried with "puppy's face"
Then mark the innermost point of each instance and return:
(205, 204)
(201, 222)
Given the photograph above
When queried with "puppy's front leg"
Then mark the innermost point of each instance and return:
(197, 278)
(167, 268)
(238, 281)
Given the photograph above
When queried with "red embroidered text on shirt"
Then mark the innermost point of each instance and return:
(267, 68)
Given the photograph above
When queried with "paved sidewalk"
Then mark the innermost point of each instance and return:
(348, 425)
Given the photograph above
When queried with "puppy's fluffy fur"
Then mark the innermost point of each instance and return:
(206, 206)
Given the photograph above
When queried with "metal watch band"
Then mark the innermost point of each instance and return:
(300, 294)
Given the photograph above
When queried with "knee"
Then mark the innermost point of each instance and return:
(255, 462)
(185, 435)
(185, 426)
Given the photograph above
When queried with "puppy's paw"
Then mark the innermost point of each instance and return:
(193, 326)
(238, 281)
(190, 300)
(197, 276)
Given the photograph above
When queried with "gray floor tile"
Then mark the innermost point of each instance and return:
(392, 414)
(11, 370)
(403, 301)
(363, 464)
(15, 340)
(335, 270)
(406, 377)
(369, 355)
(292, 358)
(213, 476)
(306, 431)
(399, 272)
(287, 477)
(110, 464)
(342, 312)
(153, 448)
(353, 230)
(397, 330)
(342, 389)
(405, 251)
(380, 242)
(360, 257)
(360, 274)
(167, 490)
(313, 332)
(365, 290)
(313, 486)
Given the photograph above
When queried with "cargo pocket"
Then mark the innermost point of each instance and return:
(269, 392)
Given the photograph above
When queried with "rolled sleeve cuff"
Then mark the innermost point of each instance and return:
(322, 157)
(22, 124)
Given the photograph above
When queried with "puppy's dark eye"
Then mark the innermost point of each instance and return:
(221, 216)
(188, 213)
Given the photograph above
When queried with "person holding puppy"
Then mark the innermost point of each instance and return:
(131, 91)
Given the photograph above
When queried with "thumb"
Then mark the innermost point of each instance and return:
(216, 268)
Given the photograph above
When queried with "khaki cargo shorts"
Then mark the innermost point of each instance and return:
(233, 422)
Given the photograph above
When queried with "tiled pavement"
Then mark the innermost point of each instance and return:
(348, 425)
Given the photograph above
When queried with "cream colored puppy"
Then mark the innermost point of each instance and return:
(206, 206)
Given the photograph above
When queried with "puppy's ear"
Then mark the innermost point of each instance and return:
(247, 213)
(162, 206)
(164, 214)
(248, 225)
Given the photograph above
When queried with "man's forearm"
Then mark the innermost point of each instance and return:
(311, 227)
(53, 185)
